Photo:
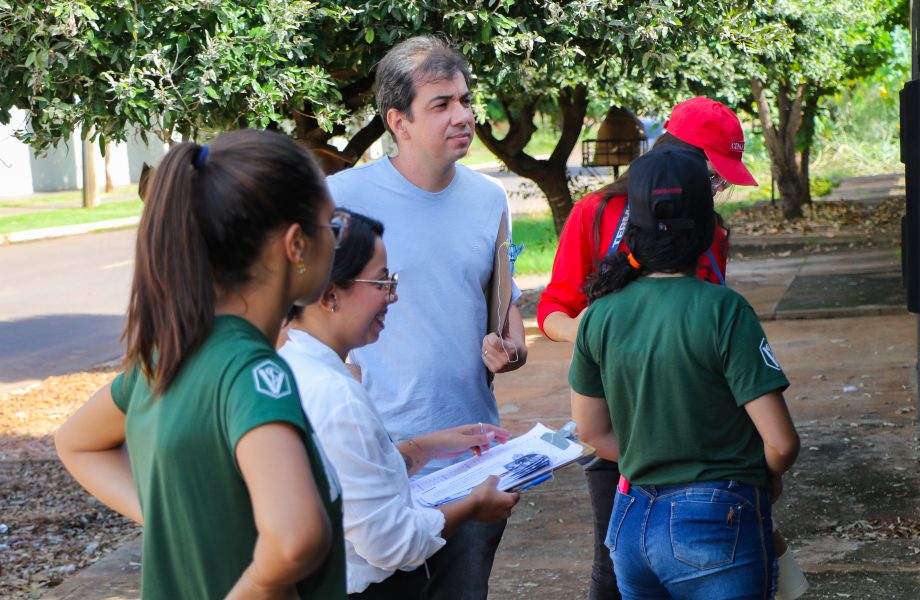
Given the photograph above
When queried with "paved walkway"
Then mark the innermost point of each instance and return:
(852, 397)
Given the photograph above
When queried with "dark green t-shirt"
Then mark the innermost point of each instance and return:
(199, 531)
(676, 359)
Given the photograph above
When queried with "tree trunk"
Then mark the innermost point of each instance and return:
(780, 137)
(550, 175)
(109, 186)
(361, 141)
(90, 188)
(316, 139)
(807, 140)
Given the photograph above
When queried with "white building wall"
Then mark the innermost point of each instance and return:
(61, 168)
(15, 170)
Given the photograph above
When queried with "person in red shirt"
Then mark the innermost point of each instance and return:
(594, 228)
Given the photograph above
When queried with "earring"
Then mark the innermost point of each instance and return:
(301, 268)
(334, 306)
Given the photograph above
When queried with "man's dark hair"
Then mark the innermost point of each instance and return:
(418, 60)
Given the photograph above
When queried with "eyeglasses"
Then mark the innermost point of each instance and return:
(717, 182)
(339, 226)
(388, 285)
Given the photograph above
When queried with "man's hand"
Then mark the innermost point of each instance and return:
(501, 355)
(509, 352)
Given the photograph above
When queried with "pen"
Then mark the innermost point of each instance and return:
(536, 481)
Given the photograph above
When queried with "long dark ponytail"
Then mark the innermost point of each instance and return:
(206, 217)
(671, 220)
(618, 187)
(676, 252)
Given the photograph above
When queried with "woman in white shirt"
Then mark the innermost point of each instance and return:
(384, 531)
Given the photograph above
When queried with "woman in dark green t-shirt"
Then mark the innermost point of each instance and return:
(187, 440)
(673, 378)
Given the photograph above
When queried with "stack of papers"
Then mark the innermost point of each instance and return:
(518, 461)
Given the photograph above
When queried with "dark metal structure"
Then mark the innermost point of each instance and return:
(620, 139)
(910, 156)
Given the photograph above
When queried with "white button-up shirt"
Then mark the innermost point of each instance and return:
(384, 530)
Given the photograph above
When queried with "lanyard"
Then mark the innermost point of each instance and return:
(715, 267)
(621, 230)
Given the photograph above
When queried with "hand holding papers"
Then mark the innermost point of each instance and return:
(537, 452)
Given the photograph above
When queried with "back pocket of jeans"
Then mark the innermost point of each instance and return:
(705, 534)
(620, 507)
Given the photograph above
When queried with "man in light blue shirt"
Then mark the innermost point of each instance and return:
(432, 369)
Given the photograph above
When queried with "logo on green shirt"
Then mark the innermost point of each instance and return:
(767, 353)
(271, 379)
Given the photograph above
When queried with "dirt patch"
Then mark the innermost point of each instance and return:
(869, 220)
(49, 527)
(29, 416)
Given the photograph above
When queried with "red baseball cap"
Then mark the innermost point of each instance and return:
(715, 129)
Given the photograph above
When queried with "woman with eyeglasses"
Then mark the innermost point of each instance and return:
(186, 440)
(595, 229)
(385, 532)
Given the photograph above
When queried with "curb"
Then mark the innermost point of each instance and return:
(65, 230)
(114, 577)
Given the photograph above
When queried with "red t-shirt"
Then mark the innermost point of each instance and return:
(577, 256)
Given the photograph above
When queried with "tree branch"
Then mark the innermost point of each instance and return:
(354, 95)
(760, 98)
(795, 110)
(520, 130)
(770, 133)
(574, 105)
(361, 141)
(510, 149)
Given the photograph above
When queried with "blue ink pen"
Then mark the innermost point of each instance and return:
(536, 481)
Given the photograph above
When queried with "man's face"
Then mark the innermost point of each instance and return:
(442, 126)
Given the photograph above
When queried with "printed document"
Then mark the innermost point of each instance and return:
(515, 462)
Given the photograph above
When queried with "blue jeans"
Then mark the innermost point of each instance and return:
(709, 540)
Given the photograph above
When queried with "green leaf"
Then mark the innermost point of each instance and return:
(369, 35)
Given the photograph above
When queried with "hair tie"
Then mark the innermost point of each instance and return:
(632, 261)
(200, 157)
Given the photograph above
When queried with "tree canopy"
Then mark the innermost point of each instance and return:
(306, 66)
(821, 46)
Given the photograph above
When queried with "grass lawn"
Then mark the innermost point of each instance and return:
(539, 238)
(542, 143)
(69, 216)
(73, 196)
(537, 234)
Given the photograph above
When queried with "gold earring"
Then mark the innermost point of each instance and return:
(301, 268)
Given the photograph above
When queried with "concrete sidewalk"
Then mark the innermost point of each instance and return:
(849, 500)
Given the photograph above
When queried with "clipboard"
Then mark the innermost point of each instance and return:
(498, 298)
(563, 436)
(457, 480)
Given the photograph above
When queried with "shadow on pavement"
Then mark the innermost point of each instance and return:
(38, 347)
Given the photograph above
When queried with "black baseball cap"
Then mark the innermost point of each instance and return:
(668, 190)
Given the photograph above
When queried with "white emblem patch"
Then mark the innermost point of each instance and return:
(271, 379)
(767, 353)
